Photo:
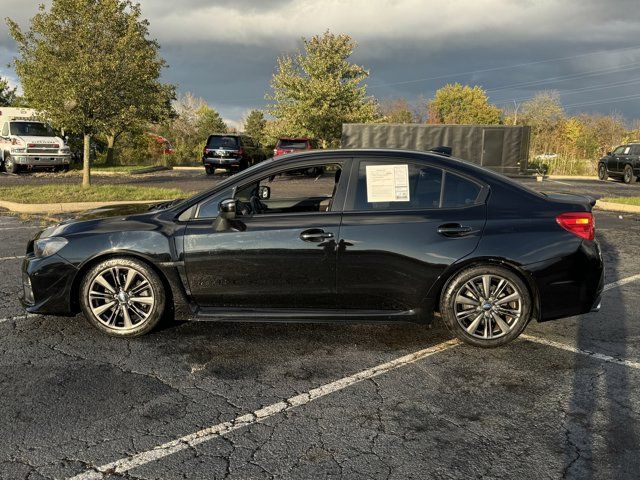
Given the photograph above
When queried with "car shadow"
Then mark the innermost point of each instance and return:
(600, 428)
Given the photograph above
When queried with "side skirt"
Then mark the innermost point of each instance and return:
(287, 315)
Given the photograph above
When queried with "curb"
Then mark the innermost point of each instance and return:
(189, 168)
(572, 177)
(66, 207)
(617, 207)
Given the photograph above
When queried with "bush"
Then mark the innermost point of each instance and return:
(565, 166)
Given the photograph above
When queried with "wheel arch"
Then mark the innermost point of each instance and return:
(447, 276)
(89, 264)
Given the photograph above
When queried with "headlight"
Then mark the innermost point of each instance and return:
(44, 247)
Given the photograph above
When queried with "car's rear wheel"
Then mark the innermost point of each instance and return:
(602, 172)
(628, 176)
(122, 297)
(209, 170)
(486, 306)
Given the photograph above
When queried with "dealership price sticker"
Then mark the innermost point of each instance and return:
(387, 183)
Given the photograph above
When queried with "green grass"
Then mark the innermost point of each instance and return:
(625, 200)
(64, 193)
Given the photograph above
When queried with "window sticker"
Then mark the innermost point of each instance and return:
(387, 183)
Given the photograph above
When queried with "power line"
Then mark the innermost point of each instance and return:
(564, 78)
(607, 100)
(576, 90)
(506, 67)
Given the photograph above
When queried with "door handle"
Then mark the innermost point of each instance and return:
(315, 235)
(455, 230)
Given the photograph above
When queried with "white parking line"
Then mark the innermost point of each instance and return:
(588, 353)
(11, 258)
(621, 282)
(18, 228)
(17, 317)
(188, 441)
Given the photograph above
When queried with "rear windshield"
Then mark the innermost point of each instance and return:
(299, 144)
(221, 141)
(33, 129)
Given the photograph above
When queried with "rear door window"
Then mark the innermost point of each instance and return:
(459, 192)
(411, 186)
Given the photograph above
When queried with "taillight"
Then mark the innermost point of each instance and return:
(579, 223)
(241, 152)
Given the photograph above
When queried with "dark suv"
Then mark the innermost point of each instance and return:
(231, 152)
(623, 163)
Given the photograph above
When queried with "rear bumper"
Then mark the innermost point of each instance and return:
(221, 162)
(47, 285)
(570, 285)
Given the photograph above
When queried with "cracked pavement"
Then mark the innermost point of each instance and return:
(73, 399)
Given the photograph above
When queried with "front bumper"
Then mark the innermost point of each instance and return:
(41, 160)
(47, 285)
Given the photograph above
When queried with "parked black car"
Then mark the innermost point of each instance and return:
(622, 164)
(231, 152)
(386, 235)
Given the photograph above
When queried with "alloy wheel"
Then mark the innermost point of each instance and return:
(121, 298)
(488, 306)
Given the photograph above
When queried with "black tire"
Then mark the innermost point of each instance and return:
(10, 166)
(243, 165)
(152, 290)
(602, 172)
(210, 170)
(455, 317)
(628, 176)
(65, 168)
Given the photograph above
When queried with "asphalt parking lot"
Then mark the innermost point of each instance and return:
(244, 401)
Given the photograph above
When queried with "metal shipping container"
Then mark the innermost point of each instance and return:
(502, 148)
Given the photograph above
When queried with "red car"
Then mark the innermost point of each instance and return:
(288, 145)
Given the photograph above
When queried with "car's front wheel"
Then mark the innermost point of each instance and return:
(628, 176)
(122, 297)
(486, 306)
(10, 166)
(602, 172)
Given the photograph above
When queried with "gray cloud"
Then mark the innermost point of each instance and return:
(225, 50)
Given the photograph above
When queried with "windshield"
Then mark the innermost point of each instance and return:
(32, 129)
(295, 144)
(220, 141)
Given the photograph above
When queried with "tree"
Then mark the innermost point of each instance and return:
(544, 113)
(255, 124)
(396, 111)
(89, 67)
(188, 130)
(462, 105)
(7, 94)
(318, 89)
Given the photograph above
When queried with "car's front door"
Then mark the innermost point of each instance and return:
(283, 256)
(615, 160)
(403, 224)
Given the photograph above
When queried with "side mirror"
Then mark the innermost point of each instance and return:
(264, 193)
(227, 209)
(226, 213)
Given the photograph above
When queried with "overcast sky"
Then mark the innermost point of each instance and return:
(225, 50)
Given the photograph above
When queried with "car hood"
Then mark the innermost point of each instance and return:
(105, 218)
(41, 140)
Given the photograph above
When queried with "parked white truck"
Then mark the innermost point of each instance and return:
(27, 142)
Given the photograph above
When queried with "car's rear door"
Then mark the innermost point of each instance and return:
(392, 250)
(282, 258)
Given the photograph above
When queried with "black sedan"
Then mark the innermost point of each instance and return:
(379, 235)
